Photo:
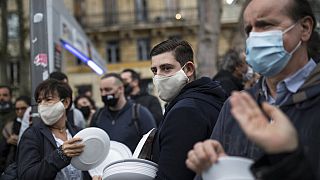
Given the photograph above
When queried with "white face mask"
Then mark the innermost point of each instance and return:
(169, 86)
(51, 113)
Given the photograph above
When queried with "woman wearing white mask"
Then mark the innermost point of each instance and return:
(46, 148)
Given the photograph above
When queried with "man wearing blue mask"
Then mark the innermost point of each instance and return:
(116, 117)
(193, 106)
(279, 35)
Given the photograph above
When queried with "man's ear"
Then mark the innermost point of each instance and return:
(307, 28)
(189, 69)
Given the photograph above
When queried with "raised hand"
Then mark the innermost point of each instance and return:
(275, 133)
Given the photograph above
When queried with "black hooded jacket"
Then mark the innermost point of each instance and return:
(189, 118)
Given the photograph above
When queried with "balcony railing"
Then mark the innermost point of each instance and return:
(185, 16)
(189, 15)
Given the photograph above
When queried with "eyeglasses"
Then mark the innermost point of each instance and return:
(20, 108)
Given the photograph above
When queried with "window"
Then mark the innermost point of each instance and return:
(143, 47)
(13, 26)
(111, 14)
(141, 10)
(79, 10)
(172, 8)
(14, 73)
(113, 52)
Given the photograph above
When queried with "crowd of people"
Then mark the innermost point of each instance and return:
(262, 105)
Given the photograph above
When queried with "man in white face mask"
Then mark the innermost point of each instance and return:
(192, 110)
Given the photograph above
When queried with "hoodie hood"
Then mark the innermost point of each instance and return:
(203, 89)
(309, 90)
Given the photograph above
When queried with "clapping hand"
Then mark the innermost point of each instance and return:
(275, 133)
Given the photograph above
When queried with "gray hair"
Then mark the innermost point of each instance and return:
(231, 60)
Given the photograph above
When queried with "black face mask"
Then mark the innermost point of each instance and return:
(85, 111)
(109, 100)
(5, 106)
(127, 89)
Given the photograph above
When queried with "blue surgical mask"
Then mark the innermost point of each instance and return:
(265, 51)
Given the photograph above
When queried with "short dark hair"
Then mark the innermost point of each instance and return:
(134, 74)
(52, 86)
(299, 9)
(25, 99)
(60, 76)
(93, 104)
(231, 60)
(83, 89)
(181, 49)
(6, 87)
(119, 80)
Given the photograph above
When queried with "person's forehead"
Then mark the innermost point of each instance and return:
(109, 81)
(4, 91)
(265, 10)
(164, 58)
(126, 75)
(83, 100)
(21, 104)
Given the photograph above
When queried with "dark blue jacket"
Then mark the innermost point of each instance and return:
(189, 118)
(38, 154)
(121, 127)
(302, 108)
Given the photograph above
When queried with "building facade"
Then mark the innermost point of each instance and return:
(124, 31)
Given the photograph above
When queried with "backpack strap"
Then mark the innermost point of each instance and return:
(135, 117)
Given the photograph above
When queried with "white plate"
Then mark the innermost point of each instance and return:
(136, 161)
(130, 169)
(229, 167)
(97, 144)
(127, 176)
(118, 151)
(141, 143)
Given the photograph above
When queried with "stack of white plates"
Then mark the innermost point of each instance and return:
(118, 151)
(113, 160)
(130, 169)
